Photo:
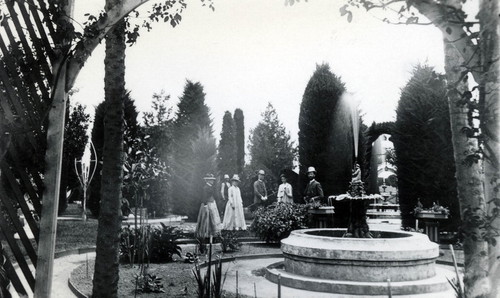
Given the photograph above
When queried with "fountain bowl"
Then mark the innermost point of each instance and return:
(325, 253)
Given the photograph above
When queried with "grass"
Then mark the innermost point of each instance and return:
(72, 234)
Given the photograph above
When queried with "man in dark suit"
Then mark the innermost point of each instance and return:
(313, 191)
(259, 191)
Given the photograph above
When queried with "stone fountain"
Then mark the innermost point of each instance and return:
(325, 261)
(357, 261)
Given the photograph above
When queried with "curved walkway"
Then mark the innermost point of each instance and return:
(62, 269)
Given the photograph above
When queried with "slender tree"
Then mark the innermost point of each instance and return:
(422, 141)
(239, 122)
(226, 155)
(270, 147)
(97, 136)
(158, 125)
(192, 116)
(105, 282)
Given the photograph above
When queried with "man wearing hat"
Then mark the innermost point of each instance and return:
(225, 185)
(313, 191)
(259, 190)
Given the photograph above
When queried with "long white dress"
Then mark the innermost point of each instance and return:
(285, 193)
(233, 217)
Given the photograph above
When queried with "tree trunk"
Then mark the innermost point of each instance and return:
(52, 178)
(490, 54)
(469, 180)
(108, 233)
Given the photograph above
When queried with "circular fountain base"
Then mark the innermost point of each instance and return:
(436, 284)
(323, 260)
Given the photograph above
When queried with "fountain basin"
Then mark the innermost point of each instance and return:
(324, 253)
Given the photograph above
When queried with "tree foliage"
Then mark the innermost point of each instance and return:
(226, 155)
(204, 161)
(158, 125)
(422, 143)
(75, 140)
(271, 148)
(326, 136)
(192, 116)
(239, 122)
(325, 132)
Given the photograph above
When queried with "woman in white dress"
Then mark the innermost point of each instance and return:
(285, 191)
(233, 217)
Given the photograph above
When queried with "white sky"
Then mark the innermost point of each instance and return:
(250, 52)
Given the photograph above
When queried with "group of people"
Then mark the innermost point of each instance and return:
(209, 222)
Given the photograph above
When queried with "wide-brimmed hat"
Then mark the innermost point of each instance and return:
(236, 178)
(226, 176)
(261, 172)
(311, 169)
(209, 177)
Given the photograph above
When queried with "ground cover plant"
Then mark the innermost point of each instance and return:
(177, 276)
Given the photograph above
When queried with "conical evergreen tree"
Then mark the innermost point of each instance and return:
(422, 141)
(239, 122)
(203, 161)
(325, 135)
(192, 116)
(226, 156)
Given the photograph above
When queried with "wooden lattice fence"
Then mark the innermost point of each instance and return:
(26, 76)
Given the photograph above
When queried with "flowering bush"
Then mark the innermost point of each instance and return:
(276, 221)
(435, 209)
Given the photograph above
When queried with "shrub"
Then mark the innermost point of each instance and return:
(164, 244)
(159, 244)
(278, 220)
(229, 240)
(133, 241)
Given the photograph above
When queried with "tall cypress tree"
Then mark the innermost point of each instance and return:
(239, 122)
(192, 116)
(226, 157)
(422, 141)
(325, 136)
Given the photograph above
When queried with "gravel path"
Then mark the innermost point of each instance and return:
(62, 269)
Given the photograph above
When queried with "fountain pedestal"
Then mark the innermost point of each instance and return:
(322, 260)
(322, 217)
(431, 221)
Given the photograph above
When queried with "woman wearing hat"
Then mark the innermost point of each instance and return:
(233, 217)
(208, 223)
(285, 191)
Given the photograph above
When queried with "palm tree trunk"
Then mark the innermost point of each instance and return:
(469, 180)
(108, 233)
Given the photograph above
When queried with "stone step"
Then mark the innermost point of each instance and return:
(437, 284)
